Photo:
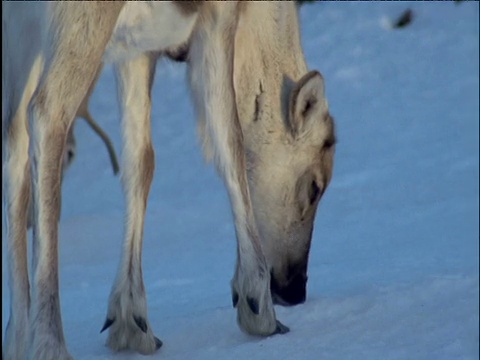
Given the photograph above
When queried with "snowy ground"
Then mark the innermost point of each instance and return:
(395, 256)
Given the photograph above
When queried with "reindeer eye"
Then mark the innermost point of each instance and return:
(313, 192)
(331, 139)
(328, 143)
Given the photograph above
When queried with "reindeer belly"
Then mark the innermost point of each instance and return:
(148, 26)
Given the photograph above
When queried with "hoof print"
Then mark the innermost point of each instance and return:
(107, 324)
(141, 323)
(253, 305)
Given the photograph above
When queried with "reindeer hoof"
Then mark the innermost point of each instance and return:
(158, 343)
(281, 329)
(141, 323)
(107, 324)
(128, 327)
(234, 298)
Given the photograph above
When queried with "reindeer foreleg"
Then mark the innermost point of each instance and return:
(127, 309)
(211, 75)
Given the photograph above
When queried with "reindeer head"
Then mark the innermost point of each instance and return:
(289, 140)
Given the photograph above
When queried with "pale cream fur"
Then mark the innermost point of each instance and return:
(263, 120)
(83, 111)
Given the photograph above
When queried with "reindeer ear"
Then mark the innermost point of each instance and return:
(307, 102)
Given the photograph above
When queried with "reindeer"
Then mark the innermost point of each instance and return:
(84, 113)
(71, 143)
(263, 119)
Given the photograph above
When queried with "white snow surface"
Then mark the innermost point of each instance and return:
(393, 270)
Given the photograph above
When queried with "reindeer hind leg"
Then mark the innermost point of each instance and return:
(17, 194)
(80, 32)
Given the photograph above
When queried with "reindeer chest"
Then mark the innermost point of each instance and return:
(148, 26)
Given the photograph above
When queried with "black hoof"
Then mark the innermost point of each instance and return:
(281, 329)
(253, 305)
(234, 298)
(158, 343)
(141, 323)
(107, 324)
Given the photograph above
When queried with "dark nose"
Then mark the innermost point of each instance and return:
(293, 293)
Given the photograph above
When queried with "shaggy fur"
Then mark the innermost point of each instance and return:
(262, 118)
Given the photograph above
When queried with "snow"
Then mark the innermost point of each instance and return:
(393, 270)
